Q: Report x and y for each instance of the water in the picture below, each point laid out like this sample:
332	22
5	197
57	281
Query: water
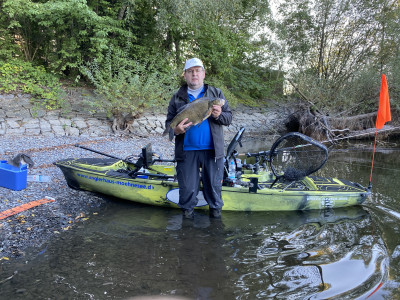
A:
128	249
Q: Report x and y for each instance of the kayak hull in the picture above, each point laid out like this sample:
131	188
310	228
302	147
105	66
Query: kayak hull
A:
110	177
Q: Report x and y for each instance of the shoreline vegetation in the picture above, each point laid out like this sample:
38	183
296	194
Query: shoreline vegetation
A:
304	57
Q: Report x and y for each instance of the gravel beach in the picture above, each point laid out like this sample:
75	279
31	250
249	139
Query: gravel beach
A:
33	227
48	136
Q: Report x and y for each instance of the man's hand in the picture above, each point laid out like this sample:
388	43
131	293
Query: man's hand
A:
216	111
181	127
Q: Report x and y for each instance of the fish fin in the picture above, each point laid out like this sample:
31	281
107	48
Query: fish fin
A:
207	114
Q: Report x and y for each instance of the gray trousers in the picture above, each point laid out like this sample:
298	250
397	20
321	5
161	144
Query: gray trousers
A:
188	173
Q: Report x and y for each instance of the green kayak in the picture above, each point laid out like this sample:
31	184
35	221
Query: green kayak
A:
152	181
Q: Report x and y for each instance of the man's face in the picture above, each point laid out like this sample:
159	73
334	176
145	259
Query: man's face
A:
195	77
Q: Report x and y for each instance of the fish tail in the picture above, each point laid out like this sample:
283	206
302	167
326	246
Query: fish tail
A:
171	135
165	131
168	131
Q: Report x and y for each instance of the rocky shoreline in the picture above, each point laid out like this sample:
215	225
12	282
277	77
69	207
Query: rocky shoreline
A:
48	136
19	117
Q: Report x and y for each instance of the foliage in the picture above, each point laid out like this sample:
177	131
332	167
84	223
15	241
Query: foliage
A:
125	86
58	33
393	77
335	51
7	46
356	96
232	99
17	75
339	49
64	34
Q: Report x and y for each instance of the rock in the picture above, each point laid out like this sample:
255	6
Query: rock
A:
58	130
13	124
72	131
32	131
55	122
45	125
79	123
3	128
31	123
37	112
15	131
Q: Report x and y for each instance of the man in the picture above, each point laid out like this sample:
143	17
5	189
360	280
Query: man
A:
200	146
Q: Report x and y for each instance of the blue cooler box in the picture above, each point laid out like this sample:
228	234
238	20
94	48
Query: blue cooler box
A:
11	177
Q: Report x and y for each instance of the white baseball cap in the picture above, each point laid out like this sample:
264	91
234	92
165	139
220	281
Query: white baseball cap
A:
193	62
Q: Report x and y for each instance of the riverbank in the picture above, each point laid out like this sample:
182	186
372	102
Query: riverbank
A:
33	227
48	136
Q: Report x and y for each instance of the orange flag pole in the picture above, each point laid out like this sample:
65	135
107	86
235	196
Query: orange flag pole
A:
382	117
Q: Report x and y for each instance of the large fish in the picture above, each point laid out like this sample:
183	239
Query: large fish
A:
196	111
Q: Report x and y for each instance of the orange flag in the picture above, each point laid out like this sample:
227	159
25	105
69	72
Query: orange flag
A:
384	105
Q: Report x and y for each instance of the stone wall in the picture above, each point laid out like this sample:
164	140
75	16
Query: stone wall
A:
19	117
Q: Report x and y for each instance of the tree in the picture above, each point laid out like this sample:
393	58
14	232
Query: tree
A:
60	34
334	44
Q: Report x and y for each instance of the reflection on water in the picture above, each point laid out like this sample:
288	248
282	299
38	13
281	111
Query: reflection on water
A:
129	250
133	250
316	256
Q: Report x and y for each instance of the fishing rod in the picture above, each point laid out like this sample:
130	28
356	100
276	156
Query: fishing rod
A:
105	154
138	165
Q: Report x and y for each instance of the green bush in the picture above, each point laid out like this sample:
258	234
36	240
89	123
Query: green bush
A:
20	76
126	86
231	97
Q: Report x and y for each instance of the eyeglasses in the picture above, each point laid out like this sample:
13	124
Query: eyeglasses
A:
194	71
